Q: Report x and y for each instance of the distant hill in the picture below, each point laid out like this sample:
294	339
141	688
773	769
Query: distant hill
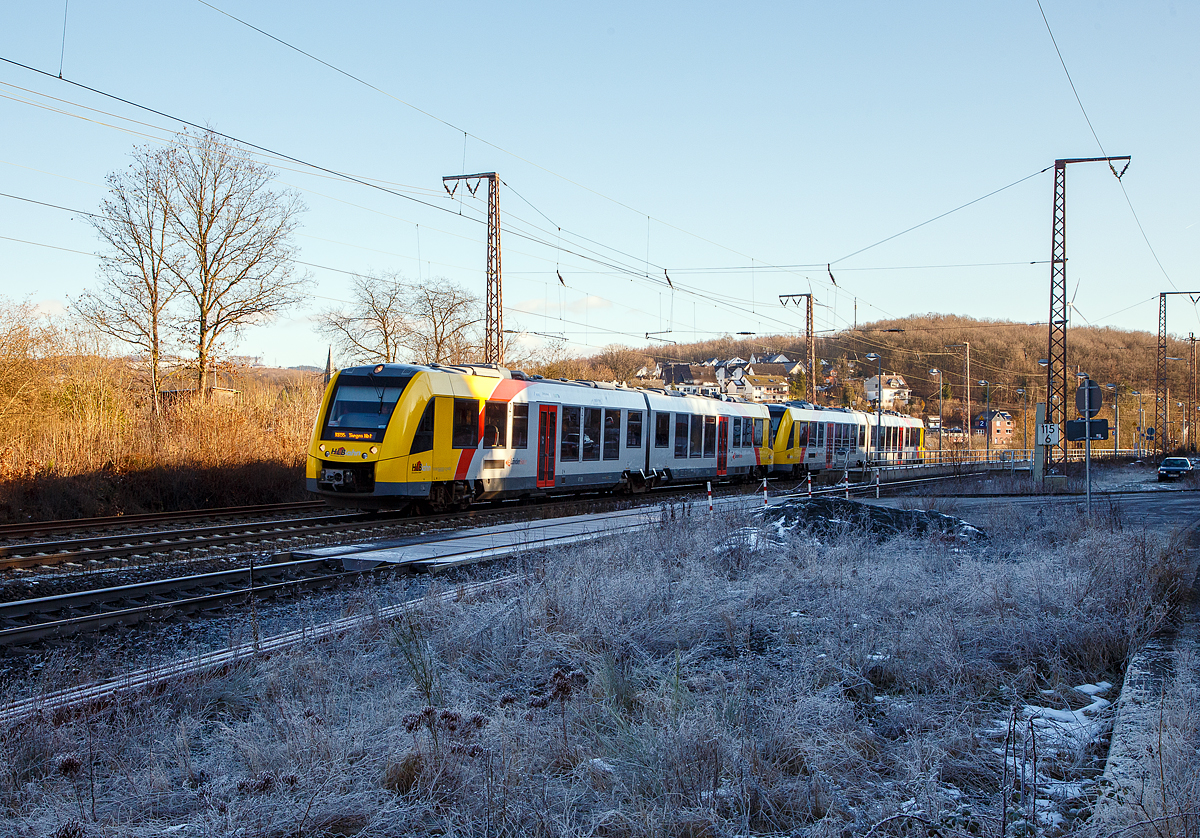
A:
1003	353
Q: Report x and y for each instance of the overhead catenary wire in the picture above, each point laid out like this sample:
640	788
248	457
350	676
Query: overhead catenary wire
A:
613	264
632	272
380	90
1100	145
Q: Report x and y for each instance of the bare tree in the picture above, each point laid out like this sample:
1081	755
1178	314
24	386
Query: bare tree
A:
390	319
445	323
621	360
138	286
233	236
374	328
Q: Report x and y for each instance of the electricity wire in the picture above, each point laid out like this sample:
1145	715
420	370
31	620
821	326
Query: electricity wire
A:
1100	145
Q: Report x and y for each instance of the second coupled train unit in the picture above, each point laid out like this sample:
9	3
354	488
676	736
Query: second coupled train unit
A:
445	436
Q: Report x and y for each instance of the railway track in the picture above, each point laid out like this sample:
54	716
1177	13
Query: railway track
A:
101	549
33	620
108	550
9	532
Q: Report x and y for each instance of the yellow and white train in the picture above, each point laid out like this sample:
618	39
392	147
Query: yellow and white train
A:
445	436
811	440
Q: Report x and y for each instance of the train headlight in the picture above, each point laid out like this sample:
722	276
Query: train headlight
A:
374	449
364	455
321	448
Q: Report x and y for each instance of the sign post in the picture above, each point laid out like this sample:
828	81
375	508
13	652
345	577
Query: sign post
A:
1088	401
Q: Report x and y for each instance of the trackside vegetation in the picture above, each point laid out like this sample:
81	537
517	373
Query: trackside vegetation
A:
715	676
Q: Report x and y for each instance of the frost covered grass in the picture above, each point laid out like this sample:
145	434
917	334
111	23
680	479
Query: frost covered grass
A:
711	677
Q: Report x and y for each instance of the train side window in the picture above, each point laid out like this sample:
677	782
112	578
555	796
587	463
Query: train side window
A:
710	436
592	418
748	433
466	423
569	451
697	446
633	429
795	435
758	433
737	432
681	435
612	434
862	435
662	430
805	428
520	433
495	425
423	437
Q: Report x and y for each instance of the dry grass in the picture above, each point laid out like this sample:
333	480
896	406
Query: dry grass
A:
87	443
701	679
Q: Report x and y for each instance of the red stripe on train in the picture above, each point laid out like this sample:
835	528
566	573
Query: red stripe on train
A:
464	463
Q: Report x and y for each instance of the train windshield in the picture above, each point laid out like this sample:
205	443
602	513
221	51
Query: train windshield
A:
362	405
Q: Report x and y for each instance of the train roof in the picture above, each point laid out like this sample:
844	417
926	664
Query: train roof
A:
497	371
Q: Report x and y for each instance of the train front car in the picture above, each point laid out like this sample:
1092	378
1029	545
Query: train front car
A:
352	456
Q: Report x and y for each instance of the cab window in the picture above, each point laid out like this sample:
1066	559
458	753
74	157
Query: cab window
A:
361	406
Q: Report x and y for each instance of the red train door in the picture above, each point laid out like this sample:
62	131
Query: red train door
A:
547	444
722	445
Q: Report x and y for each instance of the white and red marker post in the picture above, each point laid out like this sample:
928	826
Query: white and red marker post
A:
710	507
765	492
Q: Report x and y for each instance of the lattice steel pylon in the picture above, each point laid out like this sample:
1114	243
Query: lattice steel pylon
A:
1189	438
1160	373
1056	355
493	337
810	343
1160	378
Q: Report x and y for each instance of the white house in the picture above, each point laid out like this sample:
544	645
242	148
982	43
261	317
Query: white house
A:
896	392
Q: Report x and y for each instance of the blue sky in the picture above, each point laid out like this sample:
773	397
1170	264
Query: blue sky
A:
710	140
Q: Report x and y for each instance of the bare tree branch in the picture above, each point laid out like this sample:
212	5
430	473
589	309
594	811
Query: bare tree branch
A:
138	286
390	319
234	234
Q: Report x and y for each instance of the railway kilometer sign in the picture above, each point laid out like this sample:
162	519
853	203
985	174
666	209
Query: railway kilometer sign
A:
1047	434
